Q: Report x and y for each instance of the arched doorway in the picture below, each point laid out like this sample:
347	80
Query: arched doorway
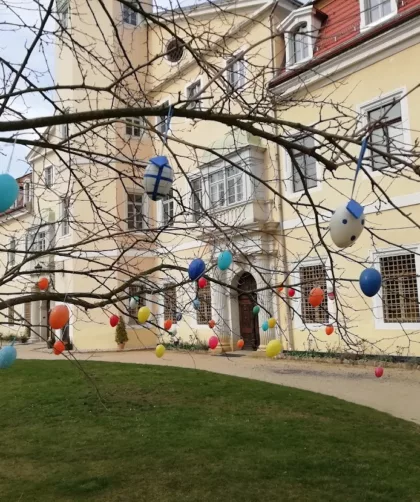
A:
248	323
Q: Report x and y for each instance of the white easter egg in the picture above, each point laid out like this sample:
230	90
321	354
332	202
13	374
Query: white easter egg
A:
345	229
158	178
174	331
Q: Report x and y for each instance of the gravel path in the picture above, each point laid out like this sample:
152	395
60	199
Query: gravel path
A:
397	392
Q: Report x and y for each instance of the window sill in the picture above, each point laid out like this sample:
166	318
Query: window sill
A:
294	66
392	326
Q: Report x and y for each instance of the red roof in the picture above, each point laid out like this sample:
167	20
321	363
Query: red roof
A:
340	31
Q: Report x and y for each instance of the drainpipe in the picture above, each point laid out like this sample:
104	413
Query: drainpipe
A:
280	191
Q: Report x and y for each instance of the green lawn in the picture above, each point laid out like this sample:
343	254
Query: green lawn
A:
183	435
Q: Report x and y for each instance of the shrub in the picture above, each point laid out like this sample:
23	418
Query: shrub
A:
120	332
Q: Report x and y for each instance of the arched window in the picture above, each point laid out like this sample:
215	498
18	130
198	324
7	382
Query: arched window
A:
300	44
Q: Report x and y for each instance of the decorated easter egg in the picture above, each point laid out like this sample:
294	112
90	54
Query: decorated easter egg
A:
158	178
345	227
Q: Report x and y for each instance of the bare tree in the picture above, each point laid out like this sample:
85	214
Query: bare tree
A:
95	89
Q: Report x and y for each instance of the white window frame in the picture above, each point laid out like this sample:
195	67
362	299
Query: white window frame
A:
51	170
363	110
161	125
126	23
12	256
63	224
365	25
63	11
245	69
226	204
292	41
289	173
298	324
170	201
143	222
377	299
27	192
39	237
194	105
201	212
305	15
134	123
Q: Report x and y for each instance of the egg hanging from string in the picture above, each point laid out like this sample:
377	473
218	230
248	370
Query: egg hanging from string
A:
58	347
370	282
213	342
9	191
274	347
202	282
160	351
59	317
347	224
167	324
158	178
196	269
196	303
114	320
143	314
224	260
256	310
316	296
240	344
43	284
134	301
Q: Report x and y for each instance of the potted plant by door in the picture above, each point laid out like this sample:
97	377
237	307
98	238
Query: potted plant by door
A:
121	334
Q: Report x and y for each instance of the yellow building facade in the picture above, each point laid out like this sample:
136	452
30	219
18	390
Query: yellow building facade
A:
105	231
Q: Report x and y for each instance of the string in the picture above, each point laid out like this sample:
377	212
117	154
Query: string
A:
359	162
11	155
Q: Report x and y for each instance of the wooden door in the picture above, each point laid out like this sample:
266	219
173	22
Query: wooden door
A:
247	321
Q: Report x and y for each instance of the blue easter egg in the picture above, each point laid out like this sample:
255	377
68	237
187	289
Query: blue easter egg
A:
370	281
196	269
158	178
9	191
196	303
178	316
7	357
265	326
224	261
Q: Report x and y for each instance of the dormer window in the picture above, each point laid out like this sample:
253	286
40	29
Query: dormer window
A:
300	29
374	12
301	44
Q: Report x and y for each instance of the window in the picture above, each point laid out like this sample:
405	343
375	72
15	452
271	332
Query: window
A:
63	9
27	195
174	51
235	185
197	198
300	44
235	74
217	189
36	241
169	303
192	91
375	10
162	120
65	216
400	301
311	277
387	134
229	181
129	15
133	127
27	313
12	253
138	291
307	165
12	315
204	314
135	211
48	176
168	208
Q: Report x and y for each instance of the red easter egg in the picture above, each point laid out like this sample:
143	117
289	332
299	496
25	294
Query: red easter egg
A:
58	347
213	342
167	324
114	320
315	297
379	372
212	324
43	284
240	344
59	317
280	289
329	329
202	282
331	295
291	292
